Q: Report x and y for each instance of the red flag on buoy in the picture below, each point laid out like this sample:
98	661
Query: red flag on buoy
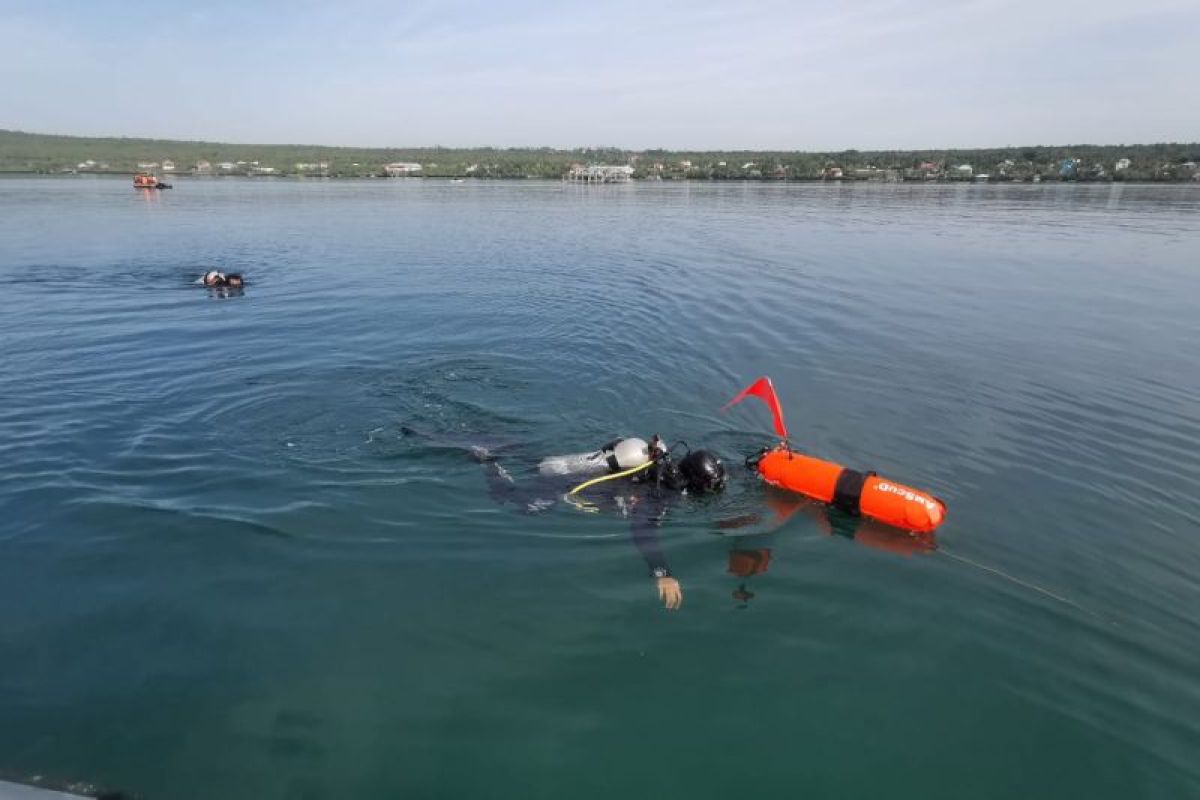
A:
764	390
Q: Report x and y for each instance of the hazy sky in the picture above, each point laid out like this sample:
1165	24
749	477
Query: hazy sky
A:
795	74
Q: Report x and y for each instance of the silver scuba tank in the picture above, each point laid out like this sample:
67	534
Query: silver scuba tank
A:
617	455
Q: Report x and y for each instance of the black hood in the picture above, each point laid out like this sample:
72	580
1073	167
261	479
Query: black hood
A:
702	472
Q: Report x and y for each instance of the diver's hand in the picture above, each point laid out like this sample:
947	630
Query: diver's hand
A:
670	593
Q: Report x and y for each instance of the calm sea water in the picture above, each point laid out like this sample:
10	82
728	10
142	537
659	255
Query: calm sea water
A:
243	553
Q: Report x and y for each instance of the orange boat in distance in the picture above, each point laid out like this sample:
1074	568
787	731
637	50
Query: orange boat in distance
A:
146	181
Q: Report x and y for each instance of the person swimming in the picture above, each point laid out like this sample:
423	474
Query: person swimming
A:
215	278
640	481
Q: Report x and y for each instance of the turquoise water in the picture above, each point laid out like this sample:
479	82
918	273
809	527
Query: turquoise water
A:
244	554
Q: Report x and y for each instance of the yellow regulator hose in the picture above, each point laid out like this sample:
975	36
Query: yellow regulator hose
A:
612	477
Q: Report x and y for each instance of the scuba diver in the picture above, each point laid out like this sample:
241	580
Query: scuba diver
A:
215	278
638	480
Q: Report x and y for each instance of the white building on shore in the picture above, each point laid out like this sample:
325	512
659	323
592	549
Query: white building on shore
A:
600	173
402	169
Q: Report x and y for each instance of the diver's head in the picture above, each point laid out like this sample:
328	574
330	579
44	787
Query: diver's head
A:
213	278
702	472
234	280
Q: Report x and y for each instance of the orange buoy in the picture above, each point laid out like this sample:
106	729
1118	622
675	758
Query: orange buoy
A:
855	492
851	491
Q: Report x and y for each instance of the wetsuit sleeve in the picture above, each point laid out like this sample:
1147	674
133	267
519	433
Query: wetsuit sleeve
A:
647	519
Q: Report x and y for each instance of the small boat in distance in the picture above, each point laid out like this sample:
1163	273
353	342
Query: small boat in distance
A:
146	181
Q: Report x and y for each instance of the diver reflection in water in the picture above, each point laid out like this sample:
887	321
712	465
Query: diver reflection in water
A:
745	564
747	560
637	480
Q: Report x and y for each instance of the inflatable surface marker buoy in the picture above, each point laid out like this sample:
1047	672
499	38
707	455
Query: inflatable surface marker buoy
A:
852	491
857	493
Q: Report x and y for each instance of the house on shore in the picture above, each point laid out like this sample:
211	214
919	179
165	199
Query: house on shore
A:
402	169
599	173
925	171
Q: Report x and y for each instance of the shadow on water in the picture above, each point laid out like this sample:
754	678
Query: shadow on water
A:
752	533
225	292
782	506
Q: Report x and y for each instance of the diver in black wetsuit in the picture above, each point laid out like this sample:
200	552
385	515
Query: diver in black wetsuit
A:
216	279
637	480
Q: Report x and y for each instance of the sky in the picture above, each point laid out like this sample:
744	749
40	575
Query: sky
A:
756	74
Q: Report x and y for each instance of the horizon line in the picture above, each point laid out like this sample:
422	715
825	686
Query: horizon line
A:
590	147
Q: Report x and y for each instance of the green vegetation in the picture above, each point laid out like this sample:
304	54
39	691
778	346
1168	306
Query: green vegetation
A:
38	153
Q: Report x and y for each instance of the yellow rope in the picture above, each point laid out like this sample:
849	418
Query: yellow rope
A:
611	477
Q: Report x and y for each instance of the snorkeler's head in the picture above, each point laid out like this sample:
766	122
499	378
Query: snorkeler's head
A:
213	278
234	280
702	472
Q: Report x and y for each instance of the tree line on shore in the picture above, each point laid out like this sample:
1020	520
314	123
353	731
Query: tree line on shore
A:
41	153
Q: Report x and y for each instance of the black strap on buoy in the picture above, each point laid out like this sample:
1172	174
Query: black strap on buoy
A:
848	490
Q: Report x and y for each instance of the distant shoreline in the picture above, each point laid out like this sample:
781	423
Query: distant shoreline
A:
187	178
32	153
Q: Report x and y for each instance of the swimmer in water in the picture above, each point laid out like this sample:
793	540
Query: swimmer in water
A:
214	278
640	481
